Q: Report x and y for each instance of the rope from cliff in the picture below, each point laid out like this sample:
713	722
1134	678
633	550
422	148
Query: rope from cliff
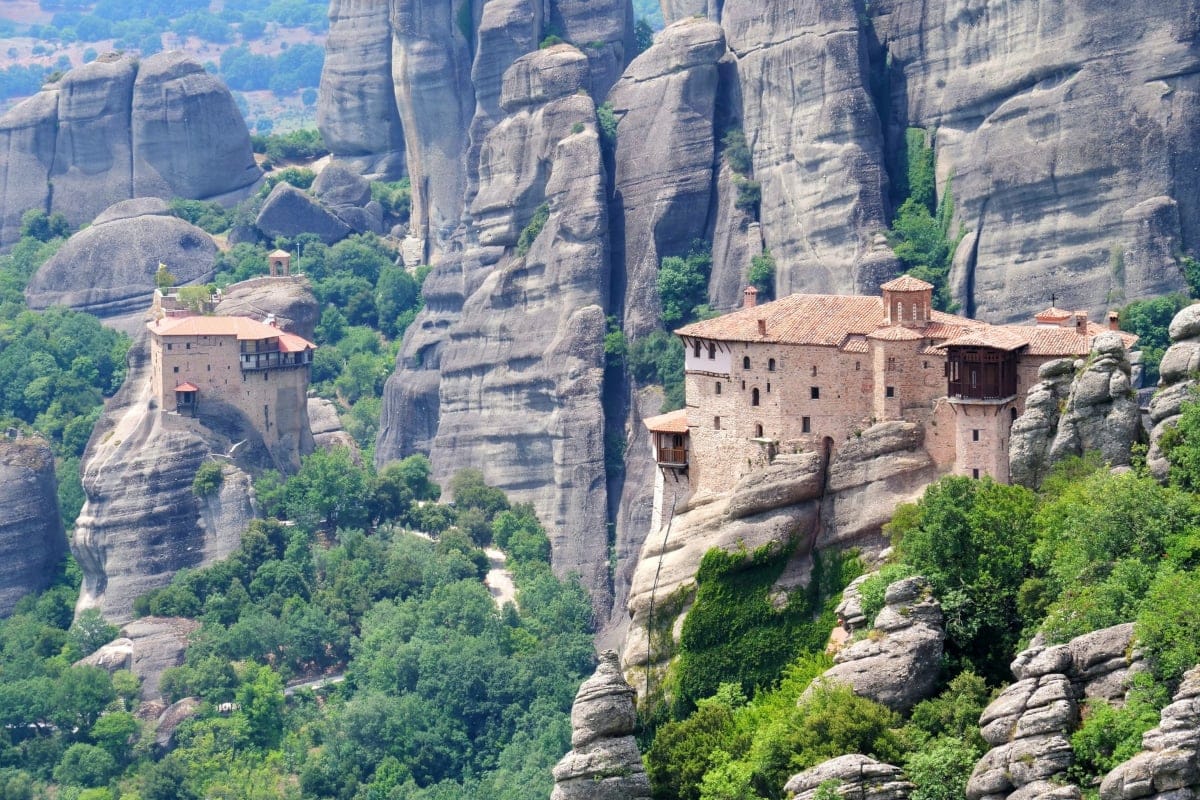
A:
654	589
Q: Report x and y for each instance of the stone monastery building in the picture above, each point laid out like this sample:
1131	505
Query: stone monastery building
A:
258	369
807	372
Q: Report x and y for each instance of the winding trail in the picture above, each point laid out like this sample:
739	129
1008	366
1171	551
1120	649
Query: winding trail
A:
499	579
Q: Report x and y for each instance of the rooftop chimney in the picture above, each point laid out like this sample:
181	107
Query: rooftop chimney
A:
762	327
1114	321
1081	322
751	297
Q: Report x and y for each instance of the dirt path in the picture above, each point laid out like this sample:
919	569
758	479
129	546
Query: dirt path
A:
499	579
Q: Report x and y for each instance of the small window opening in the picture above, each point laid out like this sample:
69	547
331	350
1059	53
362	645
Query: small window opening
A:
758	431
814	370
745	362
716	423
695	349
814	392
975	474
890	391
975	434
770	365
806	424
754	397
718	387
857	366
712	351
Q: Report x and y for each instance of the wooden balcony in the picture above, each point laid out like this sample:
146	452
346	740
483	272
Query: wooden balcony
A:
673	457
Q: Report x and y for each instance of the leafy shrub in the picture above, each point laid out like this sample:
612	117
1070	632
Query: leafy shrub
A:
683	284
737	152
1150	320
749	196
534	229
941	770
608	126
1109	736
872	590
299	177
658	358
210	216
1166	627
208	479
762	275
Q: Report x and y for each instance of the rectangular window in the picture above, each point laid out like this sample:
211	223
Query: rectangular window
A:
176	369
975	474
806	424
168	345
768	387
718	387
814	392
716	423
189	346
890	391
925	364
857	366
975	434
208	367
814	370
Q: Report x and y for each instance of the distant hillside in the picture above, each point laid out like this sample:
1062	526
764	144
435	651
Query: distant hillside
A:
270	52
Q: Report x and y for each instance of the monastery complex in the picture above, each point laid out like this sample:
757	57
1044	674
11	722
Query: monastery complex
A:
222	363
808	372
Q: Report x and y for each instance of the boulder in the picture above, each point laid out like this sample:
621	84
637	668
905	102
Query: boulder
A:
853	776
108	269
898	662
1176	384
604	763
290	300
171	718
32	541
1033	433
289	211
327	429
146	647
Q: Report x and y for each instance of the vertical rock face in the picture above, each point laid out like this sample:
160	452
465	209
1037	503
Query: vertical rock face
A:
603	29
31	530
357	111
503	369
116	129
1102	410
1035	431
663	185
1169	764
815	136
1062	125
604	763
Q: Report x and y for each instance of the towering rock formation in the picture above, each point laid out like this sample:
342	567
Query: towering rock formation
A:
118	128
1034	432
854	776
604	763
142	522
502	371
31	531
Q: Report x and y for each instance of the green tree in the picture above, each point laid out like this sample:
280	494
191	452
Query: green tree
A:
115	733
1150	320
90	631
85	765
762	275
683	284
261	701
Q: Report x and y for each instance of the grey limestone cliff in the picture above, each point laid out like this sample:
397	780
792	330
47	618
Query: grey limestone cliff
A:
502	370
1034	432
116	129
604	762
108	269
31	531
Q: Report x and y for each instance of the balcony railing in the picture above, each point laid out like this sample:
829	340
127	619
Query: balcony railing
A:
276	360
672	457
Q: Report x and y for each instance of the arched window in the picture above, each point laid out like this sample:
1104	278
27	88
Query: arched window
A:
770	365
754	397
758	430
745	362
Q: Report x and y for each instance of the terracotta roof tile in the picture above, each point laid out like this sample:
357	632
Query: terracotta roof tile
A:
244	328
895	333
999	337
906	283
671	422
856	344
1053	314
187	387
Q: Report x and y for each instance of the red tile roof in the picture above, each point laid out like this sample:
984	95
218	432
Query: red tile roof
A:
895	333
187	387
671	422
244	328
1053	314
907	283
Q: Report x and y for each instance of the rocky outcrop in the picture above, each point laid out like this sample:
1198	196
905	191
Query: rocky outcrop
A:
604	762
502	371
142	522
1102	410
1029	725
146	647
289	299
108	269
289	211
1034	432
32	541
347	195
1093	210
326	426
1168	768
1176	383
898	662
794	499
116	129
852	776
665	103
